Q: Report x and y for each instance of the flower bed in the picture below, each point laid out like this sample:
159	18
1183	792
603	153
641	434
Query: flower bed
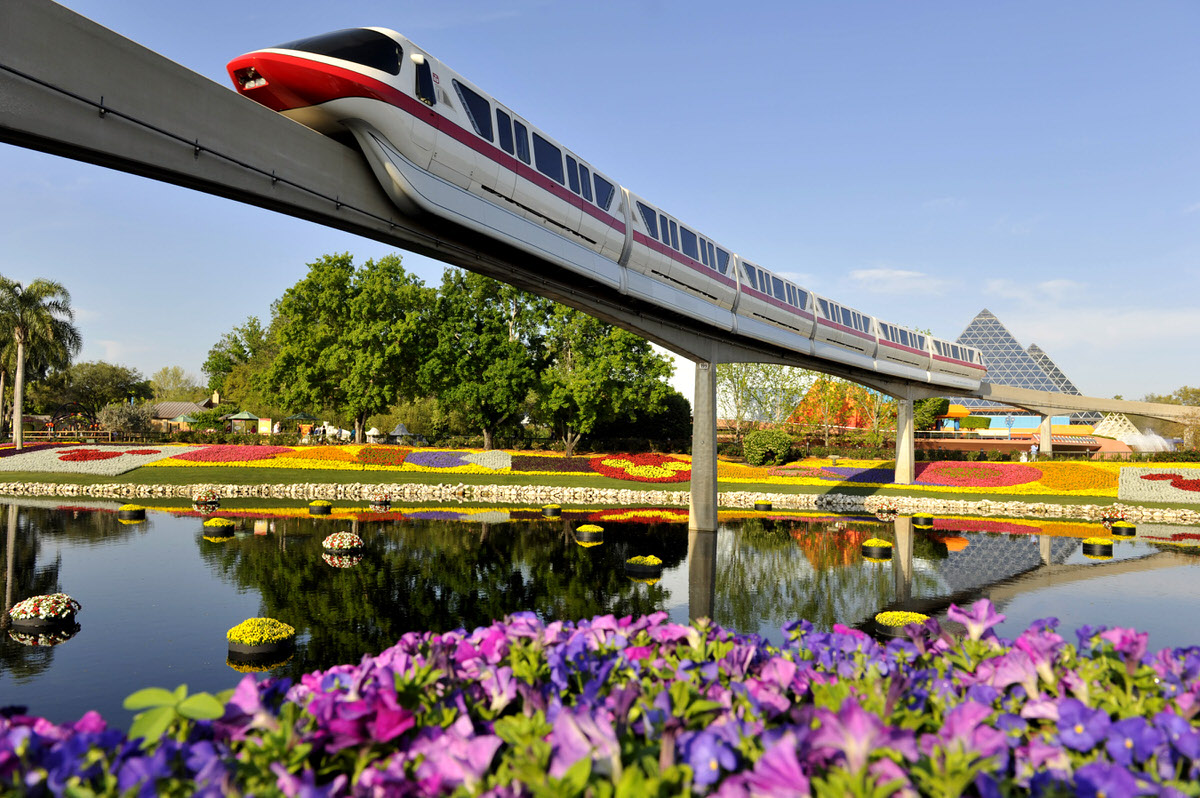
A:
231	453
646	706
643	467
100	460
1176	484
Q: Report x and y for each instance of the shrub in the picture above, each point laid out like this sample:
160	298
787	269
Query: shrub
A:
767	446
126	418
974	422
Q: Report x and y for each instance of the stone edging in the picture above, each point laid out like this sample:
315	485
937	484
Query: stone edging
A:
537	495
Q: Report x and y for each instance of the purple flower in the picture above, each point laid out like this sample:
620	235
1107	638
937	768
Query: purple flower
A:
1079	727
582	732
1099	779
778	771
707	754
855	733
1088	636
1133	739
456	757
1042	647
1181	735
305	785
1131	645
979	619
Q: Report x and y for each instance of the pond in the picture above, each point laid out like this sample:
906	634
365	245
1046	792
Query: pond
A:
158	597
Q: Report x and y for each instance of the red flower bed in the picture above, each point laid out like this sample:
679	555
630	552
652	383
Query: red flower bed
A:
643	467
1177	481
85	455
142	451
381	456
231	453
976	475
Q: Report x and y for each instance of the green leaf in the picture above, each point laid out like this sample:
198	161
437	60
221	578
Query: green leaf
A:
151	697
201	706
180	693
151	725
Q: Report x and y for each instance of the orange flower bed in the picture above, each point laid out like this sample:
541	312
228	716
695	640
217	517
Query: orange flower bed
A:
1076	476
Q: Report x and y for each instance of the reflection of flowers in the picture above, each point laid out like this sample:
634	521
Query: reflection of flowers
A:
52	606
45	639
253	666
342	560
206	496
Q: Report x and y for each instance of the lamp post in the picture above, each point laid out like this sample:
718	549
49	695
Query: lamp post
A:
1008	422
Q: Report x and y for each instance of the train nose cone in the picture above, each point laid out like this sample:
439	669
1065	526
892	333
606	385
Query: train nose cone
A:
280	82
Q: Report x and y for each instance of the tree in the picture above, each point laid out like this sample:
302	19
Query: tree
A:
38	315
484	360
349	339
173	384
926	411
93	385
826	404
596	373
41	356
748	393
237	347
877	410
126	418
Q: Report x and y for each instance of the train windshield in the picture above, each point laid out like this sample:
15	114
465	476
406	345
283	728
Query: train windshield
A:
367	47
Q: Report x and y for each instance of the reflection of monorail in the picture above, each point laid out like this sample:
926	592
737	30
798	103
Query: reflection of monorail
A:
439	145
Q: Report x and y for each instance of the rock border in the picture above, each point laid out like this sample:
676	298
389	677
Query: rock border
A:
538	495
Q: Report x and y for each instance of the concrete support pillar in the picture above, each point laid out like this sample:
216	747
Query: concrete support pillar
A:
1045	442
905	441
702	514
902	558
702	573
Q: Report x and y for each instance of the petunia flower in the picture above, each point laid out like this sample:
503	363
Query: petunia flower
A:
1100	779
1133	739
707	754
1130	644
578	733
979	619
855	733
1079	727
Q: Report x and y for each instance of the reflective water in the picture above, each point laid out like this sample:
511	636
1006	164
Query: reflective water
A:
158	598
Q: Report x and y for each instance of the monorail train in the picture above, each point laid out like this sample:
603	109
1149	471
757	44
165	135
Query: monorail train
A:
440	145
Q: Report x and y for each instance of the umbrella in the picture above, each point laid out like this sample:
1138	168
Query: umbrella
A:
243	416
400	431
184	419
300	417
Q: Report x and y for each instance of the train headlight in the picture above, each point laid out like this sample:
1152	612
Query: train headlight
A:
248	78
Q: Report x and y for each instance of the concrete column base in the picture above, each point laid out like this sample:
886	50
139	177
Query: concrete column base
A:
702	514
1045	442
905	442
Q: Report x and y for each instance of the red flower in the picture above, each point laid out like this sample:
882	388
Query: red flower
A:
643	467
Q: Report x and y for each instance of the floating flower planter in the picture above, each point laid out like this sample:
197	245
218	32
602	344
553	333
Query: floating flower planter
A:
589	533
381	500
1097	548
762	506
218	530
892	623
551	511
131	512
320	507
1123	529
341	560
343	542
649	567
260	637
923	520
876	549
48	612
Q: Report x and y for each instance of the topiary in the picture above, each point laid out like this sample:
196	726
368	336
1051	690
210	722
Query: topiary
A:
767	446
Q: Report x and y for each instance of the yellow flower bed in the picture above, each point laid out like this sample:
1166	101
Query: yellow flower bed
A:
900	619
260	632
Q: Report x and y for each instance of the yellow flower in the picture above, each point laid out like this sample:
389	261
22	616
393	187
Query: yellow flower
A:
897	619
260	632
648	560
222	522
1098	541
877	542
590	528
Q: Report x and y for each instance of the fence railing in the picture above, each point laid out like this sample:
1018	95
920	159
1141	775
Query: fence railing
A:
89	435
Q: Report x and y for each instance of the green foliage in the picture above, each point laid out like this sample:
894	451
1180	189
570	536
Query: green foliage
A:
974	422
349	339
92	385
238	347
926	411
173	384
768	446
162	709
596	373
126	418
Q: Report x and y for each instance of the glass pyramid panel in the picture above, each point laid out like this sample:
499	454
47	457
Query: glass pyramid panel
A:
1064	384
1007	361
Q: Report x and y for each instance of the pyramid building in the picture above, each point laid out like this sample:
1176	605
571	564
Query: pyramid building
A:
1009	363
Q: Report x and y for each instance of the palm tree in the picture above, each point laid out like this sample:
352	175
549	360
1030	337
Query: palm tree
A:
41	357
41	319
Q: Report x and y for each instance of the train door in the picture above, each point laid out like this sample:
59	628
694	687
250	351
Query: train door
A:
507	177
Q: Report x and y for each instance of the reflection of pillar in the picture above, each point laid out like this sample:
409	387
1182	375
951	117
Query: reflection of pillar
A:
905	441
1045	442
703	511
702	573
1044	548
902	558
10	562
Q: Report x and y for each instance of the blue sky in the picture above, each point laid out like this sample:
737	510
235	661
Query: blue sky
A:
918	161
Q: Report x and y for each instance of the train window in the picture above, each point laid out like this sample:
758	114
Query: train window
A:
902	337
778	284
801	299
585	182
522	141
548	159
367	47
764	282
604	191
478	108
824	308
791	294
425	91
722	261
504	128
704	251
674	235
689	242
749	270
573	174
650	218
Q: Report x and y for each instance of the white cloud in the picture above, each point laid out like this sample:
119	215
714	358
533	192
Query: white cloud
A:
887	280
1192	209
